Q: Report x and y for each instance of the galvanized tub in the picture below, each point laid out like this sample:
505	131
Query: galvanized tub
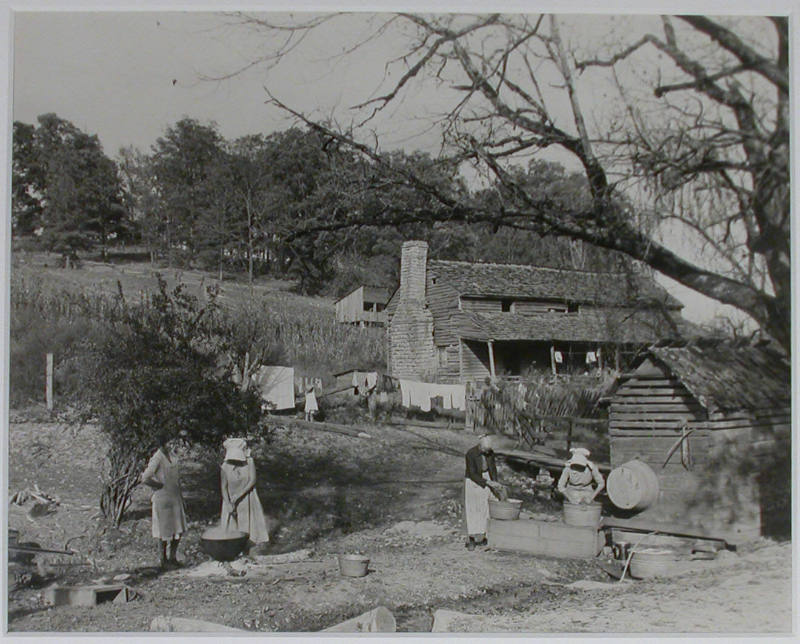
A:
507	510
353	565
582	514
633	486
651	562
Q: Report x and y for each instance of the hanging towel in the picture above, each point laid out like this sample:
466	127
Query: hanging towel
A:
591	357
276	385
405	392
559	358
371	379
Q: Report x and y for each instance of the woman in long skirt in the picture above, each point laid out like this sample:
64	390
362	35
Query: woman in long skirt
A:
241	507
169	516
480	481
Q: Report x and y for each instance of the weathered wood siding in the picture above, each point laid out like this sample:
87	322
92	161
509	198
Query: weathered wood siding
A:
474	361
350	306
442	302
523	306
448	372
712	478
350	309
481	305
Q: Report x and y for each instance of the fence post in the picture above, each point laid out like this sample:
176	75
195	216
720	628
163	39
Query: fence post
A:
569	432
49	382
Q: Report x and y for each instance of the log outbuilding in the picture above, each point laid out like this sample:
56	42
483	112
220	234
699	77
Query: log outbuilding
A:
712	419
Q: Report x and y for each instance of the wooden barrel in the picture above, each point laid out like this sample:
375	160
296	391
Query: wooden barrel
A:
632	486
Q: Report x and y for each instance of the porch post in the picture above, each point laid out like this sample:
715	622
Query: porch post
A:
461	360
616	358
553	359
491	358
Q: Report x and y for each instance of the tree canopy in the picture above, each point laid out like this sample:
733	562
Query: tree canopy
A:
64	184
670	119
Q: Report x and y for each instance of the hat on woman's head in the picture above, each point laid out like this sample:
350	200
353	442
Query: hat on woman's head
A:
235	449
580	456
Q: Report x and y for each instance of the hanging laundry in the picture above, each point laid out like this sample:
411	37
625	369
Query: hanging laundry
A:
559	358
276	385
371	379
419	394
591	357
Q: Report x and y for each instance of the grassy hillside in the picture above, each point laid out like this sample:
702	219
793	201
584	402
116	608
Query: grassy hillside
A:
48	305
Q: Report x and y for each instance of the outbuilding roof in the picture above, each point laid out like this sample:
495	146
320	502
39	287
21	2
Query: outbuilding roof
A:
728	376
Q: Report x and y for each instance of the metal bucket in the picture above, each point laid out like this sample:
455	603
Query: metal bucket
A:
633	486
651	563
582	514
353	565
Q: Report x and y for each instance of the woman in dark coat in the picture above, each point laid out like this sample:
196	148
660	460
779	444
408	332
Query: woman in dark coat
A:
479	481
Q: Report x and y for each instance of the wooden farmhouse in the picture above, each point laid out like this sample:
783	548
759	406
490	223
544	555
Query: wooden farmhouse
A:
458	322
365	306
712	419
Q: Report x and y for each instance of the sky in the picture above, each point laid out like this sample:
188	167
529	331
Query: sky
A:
127	76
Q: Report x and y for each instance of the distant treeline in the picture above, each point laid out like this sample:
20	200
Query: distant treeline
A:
275	204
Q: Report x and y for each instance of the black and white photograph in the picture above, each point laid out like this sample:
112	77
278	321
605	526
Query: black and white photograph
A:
385	320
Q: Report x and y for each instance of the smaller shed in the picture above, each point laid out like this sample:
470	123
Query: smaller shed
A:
712	419
365	306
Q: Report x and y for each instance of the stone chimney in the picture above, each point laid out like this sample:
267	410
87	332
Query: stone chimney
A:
413	263
411	350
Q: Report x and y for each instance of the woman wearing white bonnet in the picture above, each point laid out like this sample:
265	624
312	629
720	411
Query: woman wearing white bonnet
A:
578	476
241	507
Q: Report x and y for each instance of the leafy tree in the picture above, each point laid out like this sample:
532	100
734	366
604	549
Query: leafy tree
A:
158	371
182	161
65	182
27	183
141	197
694	129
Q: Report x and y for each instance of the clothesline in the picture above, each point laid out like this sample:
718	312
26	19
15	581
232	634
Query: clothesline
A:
419	394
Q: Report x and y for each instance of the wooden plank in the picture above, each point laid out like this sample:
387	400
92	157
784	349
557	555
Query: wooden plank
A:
650	424
637	397
639	433
168	624
661	416
653	382
678	529
377	620
656	408
542	459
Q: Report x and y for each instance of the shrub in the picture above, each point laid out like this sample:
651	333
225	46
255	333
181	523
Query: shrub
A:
157	370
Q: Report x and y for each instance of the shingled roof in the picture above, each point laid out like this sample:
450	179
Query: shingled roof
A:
538	282
626	326
728	376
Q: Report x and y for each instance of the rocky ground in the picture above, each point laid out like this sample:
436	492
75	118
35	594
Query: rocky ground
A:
394	497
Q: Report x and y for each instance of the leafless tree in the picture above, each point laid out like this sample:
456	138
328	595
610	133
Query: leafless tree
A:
677	123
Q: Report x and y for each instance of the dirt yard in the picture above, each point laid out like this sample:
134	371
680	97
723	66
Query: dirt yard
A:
396	497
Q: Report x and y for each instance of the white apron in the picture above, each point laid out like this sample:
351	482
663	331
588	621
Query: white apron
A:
249	513
169	516
476	506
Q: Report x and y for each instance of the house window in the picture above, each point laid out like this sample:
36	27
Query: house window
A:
572	307
367	306
505	306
